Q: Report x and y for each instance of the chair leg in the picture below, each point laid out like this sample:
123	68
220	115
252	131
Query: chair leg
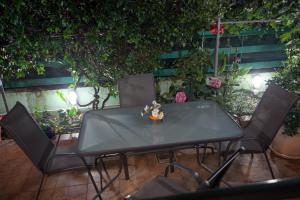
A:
40	187
269	165
92	178
104	167
204	152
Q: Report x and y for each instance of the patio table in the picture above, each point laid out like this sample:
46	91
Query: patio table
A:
124	130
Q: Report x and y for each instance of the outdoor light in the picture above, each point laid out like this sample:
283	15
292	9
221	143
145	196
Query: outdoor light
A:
72	97
257	82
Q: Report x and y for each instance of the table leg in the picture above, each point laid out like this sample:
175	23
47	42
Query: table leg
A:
204	152
227	151
171	155
219	154
125	165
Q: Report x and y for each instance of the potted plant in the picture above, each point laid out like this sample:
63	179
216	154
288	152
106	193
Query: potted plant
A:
46	122
239	102
287	142
67	120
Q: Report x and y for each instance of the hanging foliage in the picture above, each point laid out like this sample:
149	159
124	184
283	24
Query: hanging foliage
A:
97	39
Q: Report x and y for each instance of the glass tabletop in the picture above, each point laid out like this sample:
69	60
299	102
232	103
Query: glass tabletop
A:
125	130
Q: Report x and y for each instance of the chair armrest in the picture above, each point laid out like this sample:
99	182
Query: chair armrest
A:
195	174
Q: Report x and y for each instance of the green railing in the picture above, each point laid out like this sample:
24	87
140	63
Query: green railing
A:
232	50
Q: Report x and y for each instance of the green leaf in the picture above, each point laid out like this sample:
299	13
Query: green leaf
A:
61	96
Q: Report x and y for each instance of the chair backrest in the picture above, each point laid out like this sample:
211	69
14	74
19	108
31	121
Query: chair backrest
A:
28	135
214	180
136	90
269	114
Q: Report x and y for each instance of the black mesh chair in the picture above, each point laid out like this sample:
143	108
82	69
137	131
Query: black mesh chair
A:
136	90
162	186
275	189
266	120
43	153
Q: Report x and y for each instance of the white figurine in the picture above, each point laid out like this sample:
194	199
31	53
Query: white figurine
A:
153	111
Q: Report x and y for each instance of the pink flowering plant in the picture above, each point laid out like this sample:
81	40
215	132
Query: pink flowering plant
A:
213	82
180	97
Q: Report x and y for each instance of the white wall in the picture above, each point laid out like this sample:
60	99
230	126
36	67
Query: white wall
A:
48	99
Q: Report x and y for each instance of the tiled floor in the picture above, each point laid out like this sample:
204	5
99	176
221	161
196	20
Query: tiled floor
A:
19	179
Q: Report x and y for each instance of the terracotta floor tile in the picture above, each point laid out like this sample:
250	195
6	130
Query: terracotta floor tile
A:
14	152
8	196
127	187
50	181
2	186
15	184
33	180
72	178
5	169
47	194
78	192
91	192
109	194
15	167
26	196
19	179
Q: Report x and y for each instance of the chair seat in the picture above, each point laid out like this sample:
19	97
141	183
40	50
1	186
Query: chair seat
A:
60	162
251	146
233	147
158	187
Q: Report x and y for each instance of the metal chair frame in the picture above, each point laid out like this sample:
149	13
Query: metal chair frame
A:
262	140
48	154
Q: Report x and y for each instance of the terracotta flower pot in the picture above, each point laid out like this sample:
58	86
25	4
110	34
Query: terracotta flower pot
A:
286	146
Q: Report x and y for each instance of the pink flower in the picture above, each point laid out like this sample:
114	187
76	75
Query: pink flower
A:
214	82
180	97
